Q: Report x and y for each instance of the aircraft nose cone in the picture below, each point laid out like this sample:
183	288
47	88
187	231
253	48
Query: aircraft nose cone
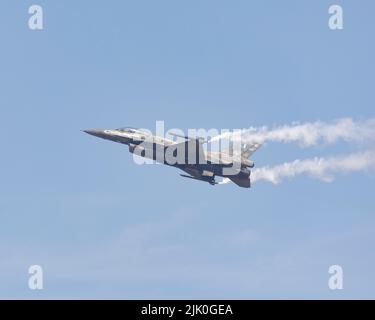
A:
95	132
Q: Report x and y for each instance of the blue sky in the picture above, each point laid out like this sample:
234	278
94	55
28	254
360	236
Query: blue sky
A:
103	227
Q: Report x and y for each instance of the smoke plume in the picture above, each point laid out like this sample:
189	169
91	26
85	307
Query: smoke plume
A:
309	134
319	168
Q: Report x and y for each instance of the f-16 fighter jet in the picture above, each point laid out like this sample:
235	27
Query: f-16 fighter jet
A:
189	155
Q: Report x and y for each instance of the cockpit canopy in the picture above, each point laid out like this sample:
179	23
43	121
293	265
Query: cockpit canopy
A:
133	130
127	129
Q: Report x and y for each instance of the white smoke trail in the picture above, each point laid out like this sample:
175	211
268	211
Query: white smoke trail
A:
319	168
309	134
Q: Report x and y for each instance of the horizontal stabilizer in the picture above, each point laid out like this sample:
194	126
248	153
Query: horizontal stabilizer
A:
241	182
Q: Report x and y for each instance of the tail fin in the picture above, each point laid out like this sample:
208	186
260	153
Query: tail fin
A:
249	149
246	151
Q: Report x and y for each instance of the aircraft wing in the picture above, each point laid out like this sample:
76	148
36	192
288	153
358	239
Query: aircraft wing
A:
193	147
187	137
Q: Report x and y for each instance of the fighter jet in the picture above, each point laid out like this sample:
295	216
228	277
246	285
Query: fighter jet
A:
189	155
